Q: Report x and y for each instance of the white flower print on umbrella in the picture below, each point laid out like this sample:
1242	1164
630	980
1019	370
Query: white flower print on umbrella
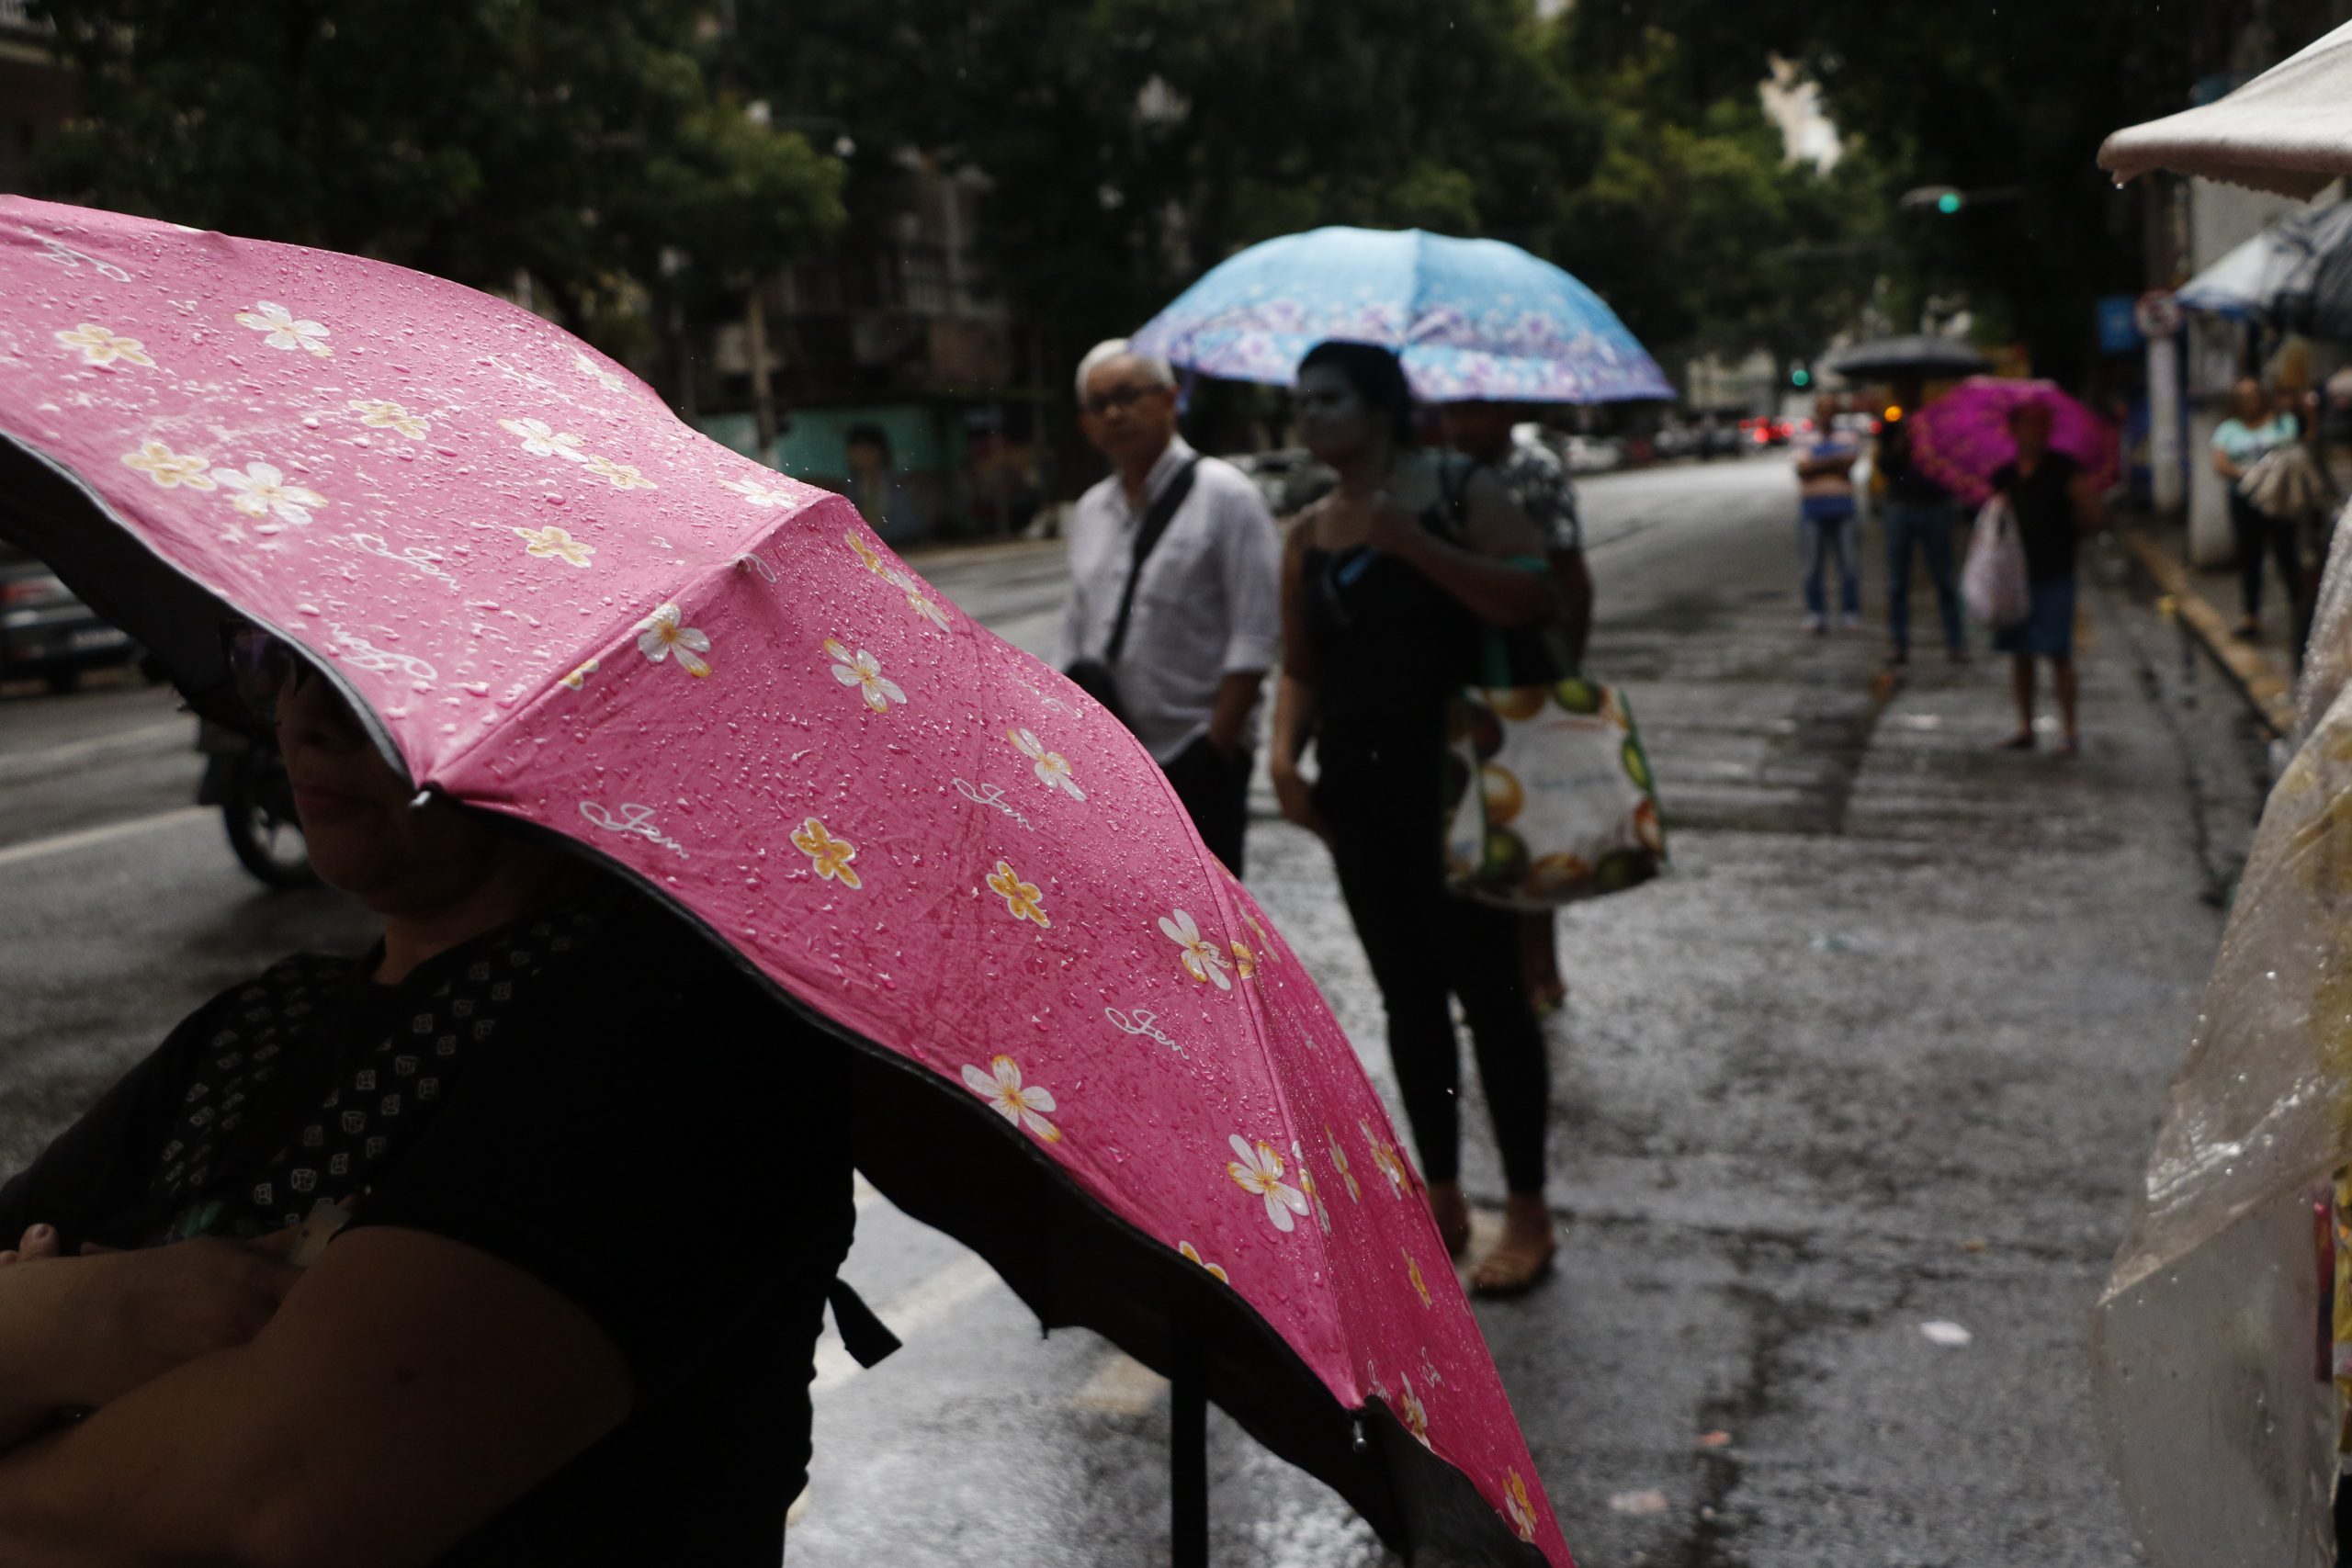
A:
1339	1163
579	676
284	331
552	543
620	476
1023	1105
380	414
1413	1272
1306	1185
101	345
1258	1172
1265	942
261	490
921	603
1188	1250
863	671
541	439
1517	1507
1384	1155
169	468
1409	1408
862	550
759	493
664	633
1051	767
588	366
1201	960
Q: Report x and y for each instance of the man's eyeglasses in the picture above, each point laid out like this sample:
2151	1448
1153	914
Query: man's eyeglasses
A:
262	669
1125	397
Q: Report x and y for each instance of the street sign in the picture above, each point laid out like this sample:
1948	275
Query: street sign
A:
2119	329
2157	314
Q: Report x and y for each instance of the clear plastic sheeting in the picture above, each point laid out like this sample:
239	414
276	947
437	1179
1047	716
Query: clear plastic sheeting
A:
2219	1429
2211	1376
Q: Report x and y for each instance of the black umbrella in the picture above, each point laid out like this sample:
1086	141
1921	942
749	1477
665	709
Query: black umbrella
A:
1896	358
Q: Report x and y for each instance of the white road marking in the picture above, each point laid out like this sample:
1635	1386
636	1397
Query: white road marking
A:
1121	1386
923	1305
64	844
16	765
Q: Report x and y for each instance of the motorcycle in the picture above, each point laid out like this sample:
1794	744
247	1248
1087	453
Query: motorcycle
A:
246	779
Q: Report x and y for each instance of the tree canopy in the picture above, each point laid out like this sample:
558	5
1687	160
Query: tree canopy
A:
1980	98
1130	144
470	139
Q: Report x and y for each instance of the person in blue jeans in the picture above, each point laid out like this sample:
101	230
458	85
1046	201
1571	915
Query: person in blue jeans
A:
1825	520
1919	520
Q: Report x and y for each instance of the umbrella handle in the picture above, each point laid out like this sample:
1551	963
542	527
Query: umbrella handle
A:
1188	1458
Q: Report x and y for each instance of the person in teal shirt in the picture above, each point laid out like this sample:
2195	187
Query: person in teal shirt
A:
2251	433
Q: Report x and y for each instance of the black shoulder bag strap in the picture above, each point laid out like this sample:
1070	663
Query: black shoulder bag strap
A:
1092	674
1156	519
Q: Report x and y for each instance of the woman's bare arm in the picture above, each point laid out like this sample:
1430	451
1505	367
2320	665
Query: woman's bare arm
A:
1480	572
408	1388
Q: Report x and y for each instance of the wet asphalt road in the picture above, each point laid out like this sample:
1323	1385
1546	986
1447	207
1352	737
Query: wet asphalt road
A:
1885	1050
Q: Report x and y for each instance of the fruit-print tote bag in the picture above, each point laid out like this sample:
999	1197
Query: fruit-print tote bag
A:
1548	796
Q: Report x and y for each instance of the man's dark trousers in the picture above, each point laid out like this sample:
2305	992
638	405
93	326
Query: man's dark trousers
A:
1215	789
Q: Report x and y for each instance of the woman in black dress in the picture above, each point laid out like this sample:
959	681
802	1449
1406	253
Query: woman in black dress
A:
2055	505
1387	585
580	1242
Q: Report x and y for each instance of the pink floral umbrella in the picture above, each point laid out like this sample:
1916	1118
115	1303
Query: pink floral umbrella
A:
1962	437
1086	1049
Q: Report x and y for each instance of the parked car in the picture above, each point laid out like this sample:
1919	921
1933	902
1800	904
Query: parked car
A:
47	632
1594	453
1288	479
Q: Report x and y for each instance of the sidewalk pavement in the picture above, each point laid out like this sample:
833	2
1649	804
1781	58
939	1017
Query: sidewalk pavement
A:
2263	669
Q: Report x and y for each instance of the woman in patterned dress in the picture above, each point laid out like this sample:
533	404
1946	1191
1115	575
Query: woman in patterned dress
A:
492	1245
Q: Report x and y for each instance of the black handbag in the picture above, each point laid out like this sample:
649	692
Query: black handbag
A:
1092	675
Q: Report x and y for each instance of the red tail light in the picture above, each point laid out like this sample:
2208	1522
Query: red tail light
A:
31	590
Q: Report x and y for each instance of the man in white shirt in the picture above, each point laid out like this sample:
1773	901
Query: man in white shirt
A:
1205	619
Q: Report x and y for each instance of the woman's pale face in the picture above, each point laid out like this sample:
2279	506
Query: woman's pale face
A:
364	834
1333	419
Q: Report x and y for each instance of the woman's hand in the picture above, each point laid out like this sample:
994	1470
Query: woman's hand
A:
1297	799
112	1320
1392	529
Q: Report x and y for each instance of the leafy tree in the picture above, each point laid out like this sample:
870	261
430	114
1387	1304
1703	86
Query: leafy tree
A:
1131	144
468	138
1982	97
1697	225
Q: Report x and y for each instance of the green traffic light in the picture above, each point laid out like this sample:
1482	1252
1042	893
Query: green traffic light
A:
1800	378
1948	202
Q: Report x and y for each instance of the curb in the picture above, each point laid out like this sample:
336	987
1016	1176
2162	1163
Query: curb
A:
2267	690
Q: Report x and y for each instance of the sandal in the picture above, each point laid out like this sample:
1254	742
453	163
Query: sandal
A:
2017	743
1514	1267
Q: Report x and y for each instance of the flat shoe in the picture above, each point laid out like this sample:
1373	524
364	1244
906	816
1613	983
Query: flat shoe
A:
1511	1270
2016	743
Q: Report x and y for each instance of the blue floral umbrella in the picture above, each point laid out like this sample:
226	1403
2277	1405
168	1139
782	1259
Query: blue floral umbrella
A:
1475	320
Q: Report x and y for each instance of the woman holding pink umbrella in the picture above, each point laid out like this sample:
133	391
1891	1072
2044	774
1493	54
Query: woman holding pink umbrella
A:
476	1371
2056	503
2052	458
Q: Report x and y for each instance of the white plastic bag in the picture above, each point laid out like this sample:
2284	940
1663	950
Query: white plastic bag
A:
1994	581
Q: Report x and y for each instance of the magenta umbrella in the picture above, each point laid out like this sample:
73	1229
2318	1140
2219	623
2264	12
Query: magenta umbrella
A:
1086	1049
1962	437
